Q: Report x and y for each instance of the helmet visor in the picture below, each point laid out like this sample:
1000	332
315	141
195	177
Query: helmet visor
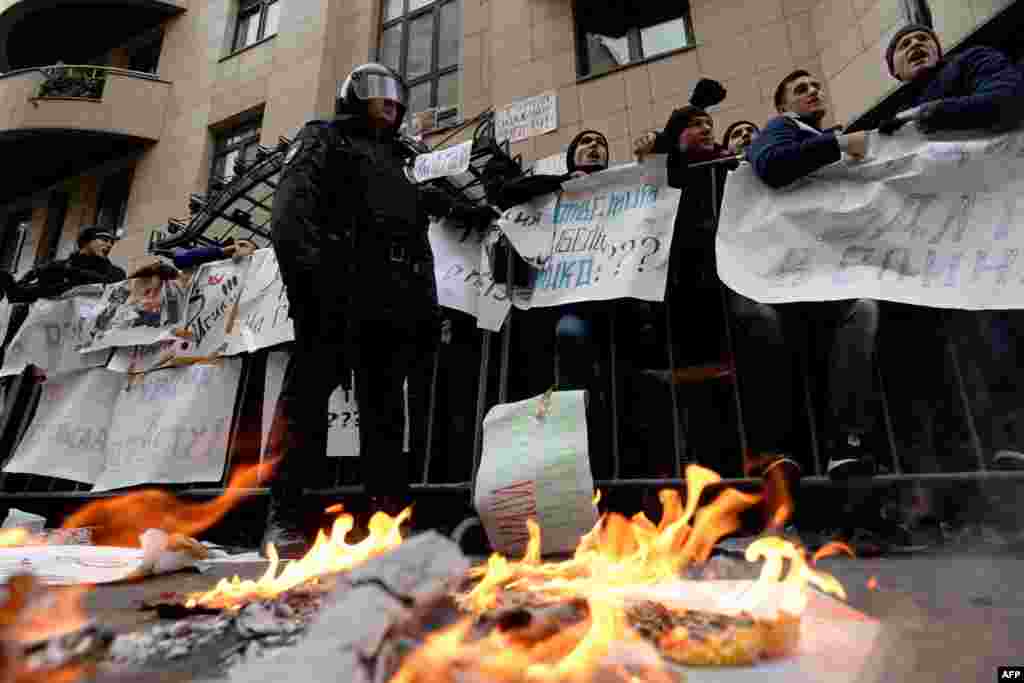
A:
369	86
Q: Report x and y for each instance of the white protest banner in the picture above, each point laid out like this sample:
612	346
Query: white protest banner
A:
343	424
51	334
342	412
143	358
530	228
556	164
172	426
5	317
142	310
535	466
212	305
527	118
611	236
262	318
68	434
443	162
936	221
277	363
463	275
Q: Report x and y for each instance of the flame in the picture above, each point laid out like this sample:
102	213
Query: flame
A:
120	521
833	548
872	584
601	647
329	555
612	563
14	537
597	497
33	612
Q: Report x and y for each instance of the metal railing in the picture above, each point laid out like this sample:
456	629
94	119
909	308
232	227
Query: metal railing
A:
464	378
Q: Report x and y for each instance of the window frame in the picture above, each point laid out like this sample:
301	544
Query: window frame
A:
436	73
221	148
249	7
633	41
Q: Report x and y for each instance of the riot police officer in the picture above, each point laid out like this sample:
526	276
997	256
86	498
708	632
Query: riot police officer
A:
350	231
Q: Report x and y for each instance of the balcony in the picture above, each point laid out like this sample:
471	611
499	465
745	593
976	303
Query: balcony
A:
34	32
61	120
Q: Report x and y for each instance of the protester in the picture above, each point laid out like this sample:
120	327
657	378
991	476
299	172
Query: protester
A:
90	264
791	146
575	325
978	88
696	223
981	89
739	135
350	232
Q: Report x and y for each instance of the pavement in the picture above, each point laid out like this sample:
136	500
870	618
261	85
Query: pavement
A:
945	616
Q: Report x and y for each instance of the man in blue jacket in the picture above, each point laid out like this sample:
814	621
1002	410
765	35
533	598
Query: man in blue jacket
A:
977	89
791	146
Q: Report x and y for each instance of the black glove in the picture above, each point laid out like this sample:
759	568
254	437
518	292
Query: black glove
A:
707	93
890	126
478	215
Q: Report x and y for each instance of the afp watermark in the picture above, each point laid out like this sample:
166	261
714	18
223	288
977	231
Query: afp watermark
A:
1010	673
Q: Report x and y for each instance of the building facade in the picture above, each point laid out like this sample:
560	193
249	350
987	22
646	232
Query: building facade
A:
118	112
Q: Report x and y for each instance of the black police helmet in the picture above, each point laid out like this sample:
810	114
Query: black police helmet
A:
369	81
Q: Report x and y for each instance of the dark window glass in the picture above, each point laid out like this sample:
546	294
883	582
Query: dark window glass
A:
239	143
611	35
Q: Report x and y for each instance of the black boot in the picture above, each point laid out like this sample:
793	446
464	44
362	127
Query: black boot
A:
287	527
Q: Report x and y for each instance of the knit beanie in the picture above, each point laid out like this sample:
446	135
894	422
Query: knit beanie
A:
733	125
909	28
570	154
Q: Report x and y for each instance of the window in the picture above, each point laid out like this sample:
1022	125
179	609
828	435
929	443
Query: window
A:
612	33
257	19
421	39
13	240
113	202
240	144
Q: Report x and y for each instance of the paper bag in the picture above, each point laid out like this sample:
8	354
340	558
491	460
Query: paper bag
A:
535	466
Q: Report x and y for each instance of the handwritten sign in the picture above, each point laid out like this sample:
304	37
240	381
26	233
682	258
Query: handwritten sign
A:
527	118
936	221
68	435
172	426
535	466
262	320
342	411
610	236
51	335
556	164
462	271
443	162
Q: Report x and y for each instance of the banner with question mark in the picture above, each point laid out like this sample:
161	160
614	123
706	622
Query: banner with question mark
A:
609	236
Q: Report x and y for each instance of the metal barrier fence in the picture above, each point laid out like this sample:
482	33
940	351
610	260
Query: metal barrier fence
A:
659	400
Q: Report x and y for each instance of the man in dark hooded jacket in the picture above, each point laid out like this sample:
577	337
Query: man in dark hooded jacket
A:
977	89
350	231
89	265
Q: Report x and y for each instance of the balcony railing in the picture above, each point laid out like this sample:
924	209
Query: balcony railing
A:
73	81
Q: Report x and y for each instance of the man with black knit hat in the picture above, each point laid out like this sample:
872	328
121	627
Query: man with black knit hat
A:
688	139
978	88
89	265
739	135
